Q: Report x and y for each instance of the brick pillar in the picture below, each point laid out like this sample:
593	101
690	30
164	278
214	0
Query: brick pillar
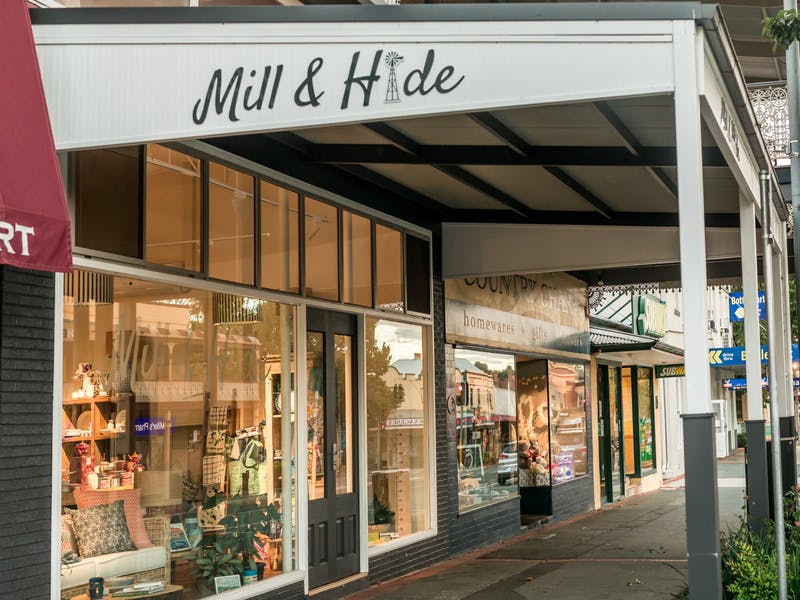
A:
26	422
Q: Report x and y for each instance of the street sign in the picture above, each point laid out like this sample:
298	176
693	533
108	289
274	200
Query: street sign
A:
740	383
663	371
736	306
732	357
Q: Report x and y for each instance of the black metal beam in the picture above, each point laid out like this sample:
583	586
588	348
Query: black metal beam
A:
581	190
458	173
588	156
632	143
622	219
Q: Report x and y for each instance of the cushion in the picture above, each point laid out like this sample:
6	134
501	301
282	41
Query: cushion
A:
78	573
131	503
68	543
101	529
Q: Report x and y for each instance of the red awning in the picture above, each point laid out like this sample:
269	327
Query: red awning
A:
34	222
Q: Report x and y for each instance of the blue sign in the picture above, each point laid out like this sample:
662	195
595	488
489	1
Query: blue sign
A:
740	383
152	426
732	357
736	305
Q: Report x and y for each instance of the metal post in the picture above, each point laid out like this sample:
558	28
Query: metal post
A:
702	502
756	463
774	411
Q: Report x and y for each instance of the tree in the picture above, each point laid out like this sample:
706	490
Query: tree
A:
381	398
783	28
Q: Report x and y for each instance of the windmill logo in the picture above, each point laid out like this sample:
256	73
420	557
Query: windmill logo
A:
392	93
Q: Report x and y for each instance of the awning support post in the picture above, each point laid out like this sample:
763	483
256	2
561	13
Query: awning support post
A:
756	464
702	503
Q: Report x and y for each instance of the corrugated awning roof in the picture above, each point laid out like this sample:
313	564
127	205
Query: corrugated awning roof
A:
609	340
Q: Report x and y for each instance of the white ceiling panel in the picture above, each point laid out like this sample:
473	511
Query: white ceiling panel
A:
532	186
438	186
625	189
445	129
559	125
343	134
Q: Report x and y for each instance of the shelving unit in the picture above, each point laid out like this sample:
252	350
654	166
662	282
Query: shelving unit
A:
103	444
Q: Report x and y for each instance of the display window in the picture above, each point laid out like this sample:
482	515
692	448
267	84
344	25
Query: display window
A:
398	430
645	417
552	420
637	409
486	427
178	437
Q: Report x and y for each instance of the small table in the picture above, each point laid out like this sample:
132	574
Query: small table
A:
170	592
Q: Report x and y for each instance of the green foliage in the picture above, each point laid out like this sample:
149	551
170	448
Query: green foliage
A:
782	29
381	512
382	398
214	561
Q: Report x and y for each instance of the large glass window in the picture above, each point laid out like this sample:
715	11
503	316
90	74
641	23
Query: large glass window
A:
628	430
173	208
486	427
108	200
179	403
644	403
397	429
280	234
534	424
322	250
388	268
567	390
230	224
356	259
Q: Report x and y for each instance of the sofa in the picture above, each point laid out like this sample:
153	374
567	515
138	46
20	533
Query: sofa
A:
150	563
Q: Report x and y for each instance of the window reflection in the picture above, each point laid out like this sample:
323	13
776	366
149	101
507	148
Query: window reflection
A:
645	402
486	427
280	232
397	430
173	208
388	268
322	249
356	259
230	224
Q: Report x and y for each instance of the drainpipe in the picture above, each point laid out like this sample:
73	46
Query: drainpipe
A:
774	410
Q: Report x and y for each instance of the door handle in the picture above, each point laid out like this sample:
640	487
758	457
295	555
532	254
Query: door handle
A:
335	461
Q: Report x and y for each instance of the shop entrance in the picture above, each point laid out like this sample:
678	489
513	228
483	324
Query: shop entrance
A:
612	476
333	540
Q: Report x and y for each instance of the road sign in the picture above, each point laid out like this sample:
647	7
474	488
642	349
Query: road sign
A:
736	306
732	357
740	383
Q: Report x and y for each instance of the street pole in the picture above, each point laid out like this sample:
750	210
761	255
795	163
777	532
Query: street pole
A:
774	411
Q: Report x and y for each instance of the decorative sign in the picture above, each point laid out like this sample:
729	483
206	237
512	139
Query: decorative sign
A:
663	371
519	312
735	356
736	305
649	316
234	78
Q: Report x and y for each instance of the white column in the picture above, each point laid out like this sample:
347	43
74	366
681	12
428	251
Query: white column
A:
691	218
752	344
782	268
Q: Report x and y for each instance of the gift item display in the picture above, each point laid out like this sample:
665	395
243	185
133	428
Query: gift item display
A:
171	410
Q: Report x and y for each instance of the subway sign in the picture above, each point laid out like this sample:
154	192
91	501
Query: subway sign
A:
663	371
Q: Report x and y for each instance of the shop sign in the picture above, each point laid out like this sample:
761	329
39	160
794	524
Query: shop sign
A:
519	312
649	316
403	423
664	371
736	356
736	306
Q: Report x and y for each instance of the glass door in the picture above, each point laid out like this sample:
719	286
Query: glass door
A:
333	541
612	479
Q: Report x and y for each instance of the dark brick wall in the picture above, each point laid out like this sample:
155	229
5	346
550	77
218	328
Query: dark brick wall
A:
484	526
26	421
292	592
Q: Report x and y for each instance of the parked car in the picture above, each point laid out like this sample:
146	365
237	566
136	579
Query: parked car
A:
507	469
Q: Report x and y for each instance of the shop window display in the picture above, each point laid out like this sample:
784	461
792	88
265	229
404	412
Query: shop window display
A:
645	416
552	421
397	430
486	428
179	404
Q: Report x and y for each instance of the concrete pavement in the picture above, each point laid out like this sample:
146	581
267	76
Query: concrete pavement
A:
634	549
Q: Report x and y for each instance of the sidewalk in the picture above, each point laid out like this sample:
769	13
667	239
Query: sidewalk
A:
627	550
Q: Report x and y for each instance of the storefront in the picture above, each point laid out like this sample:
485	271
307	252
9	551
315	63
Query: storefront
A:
181	397
522	408
265	205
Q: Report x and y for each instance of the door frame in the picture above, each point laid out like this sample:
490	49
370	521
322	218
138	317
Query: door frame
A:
354	329
606	455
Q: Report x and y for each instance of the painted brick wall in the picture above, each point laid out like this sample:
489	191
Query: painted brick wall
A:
26	417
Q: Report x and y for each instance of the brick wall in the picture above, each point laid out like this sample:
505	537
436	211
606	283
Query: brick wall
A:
26	421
